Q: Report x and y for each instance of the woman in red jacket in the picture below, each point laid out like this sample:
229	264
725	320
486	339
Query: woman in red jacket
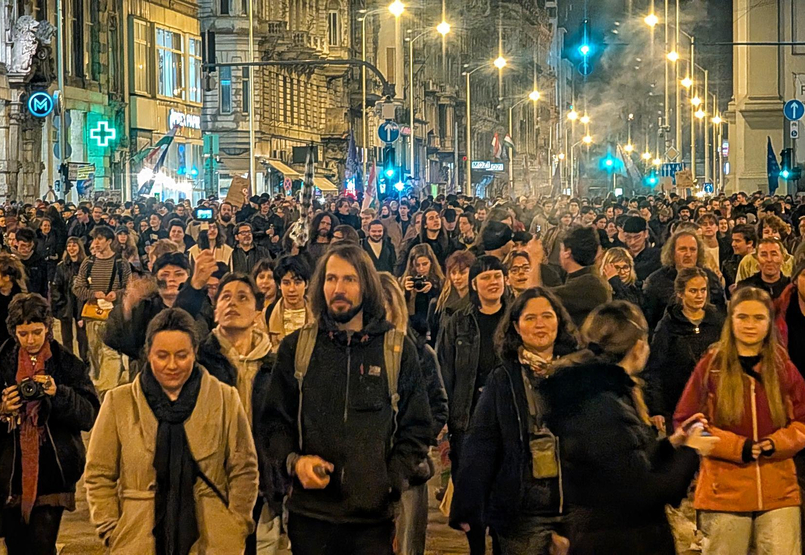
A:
754	400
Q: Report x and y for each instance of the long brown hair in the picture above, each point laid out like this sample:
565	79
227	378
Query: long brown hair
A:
730	407
435	275
463	260
397	312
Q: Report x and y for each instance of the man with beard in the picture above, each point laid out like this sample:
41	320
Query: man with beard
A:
246	255
432	234
321	234
345	216
226	221
379	247
360	446
268	227
36	270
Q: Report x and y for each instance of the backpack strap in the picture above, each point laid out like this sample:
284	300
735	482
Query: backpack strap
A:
304	350
393	342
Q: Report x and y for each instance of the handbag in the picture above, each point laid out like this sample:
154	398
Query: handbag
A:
99	309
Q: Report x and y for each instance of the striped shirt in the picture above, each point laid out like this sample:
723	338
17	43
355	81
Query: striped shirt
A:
86	283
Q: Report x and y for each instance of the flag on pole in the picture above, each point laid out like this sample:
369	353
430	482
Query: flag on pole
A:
556	182
508	142
351	170
497	148
154	158
370	195
300	230
628	164
772	167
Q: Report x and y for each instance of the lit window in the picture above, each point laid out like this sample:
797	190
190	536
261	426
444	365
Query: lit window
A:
171	64
226	90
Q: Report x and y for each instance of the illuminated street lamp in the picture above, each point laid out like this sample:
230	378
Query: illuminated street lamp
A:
673	56
443	28
700	114
687	82
500	62
657	161
646	156
651	20
573	115
717	119
587	140
585	119
696	101
397	8
561	156
534	95
628	148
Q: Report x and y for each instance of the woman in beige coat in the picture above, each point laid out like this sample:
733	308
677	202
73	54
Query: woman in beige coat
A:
172	466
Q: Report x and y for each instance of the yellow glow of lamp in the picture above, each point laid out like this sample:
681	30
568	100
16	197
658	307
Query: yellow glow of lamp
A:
573	115
585	119
397	8
651	20
587	139
443	28
696	101
561	155
687	82
657	161
646	156
717	120
673	56
628	148
534	95
700	114
500	62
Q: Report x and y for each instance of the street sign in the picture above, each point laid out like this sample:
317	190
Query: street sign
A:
794	129
388	131
585	68
672	154
669	170
68	151
794	110
486	165
79	171
708	187
40	104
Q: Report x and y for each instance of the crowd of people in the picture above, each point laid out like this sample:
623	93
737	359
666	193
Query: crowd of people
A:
279	374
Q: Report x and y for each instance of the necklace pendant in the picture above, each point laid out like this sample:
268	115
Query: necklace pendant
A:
696	330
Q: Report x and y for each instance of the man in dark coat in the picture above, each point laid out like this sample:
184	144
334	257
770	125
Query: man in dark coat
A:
433	235
646	258
379	247
36	269
684	249
584	289
351	461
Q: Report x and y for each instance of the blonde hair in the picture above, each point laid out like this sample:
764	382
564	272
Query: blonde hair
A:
729	408
397	313
618	254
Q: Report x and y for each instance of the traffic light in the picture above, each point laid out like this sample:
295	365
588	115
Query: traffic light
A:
586	49
785	163
651	179
390	169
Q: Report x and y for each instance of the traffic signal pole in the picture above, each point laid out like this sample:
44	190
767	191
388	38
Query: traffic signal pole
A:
63	132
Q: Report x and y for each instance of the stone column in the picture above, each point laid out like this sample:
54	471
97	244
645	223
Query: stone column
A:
757	109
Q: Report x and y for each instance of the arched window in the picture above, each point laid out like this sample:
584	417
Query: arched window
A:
334	23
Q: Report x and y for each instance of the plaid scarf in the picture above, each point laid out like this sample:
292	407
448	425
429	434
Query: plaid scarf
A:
31	433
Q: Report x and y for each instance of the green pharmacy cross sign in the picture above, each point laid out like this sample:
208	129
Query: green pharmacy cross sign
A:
102	133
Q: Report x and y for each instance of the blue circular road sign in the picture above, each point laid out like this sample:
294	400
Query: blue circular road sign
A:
794	110
40	104
388	131
585	68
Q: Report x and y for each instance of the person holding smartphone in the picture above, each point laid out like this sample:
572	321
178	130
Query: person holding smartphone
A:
754	399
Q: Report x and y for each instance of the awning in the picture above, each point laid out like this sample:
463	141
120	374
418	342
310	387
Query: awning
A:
283	169
324	184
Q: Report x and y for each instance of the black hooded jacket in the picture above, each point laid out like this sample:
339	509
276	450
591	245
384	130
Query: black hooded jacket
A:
617	476
64	416
676	347
658	293
347	420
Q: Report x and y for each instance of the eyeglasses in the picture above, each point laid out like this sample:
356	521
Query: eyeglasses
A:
622	267
520	269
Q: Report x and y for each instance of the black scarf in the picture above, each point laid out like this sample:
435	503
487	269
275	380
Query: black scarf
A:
175	527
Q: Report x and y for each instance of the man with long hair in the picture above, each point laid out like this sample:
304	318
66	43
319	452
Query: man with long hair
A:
346	445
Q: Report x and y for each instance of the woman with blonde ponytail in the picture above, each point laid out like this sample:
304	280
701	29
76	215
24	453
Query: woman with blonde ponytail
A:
617	476
754	400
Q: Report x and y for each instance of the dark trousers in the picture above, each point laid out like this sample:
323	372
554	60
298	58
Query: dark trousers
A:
81	337
476	538
38	537
310	536
799	462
